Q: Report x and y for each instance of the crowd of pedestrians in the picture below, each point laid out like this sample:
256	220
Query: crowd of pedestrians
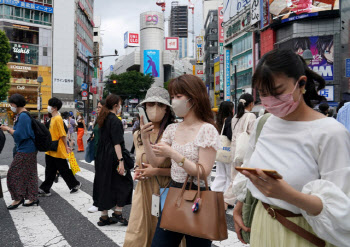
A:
285	172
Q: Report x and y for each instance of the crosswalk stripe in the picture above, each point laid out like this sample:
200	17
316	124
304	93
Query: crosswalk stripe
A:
82	201
32	224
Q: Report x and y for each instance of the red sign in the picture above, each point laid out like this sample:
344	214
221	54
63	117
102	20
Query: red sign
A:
101	65
221	25
84	93
172	43
200	72
133	38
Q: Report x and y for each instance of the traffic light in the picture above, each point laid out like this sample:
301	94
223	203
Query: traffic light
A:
115	82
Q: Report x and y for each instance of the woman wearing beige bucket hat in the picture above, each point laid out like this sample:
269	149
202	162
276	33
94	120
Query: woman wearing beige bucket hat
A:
142	223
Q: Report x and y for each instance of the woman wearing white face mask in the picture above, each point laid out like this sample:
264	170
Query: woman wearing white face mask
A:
189	143
142	223
310	206
22	176
113	184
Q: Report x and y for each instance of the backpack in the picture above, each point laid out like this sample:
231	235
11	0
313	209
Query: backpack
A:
42	135
242	142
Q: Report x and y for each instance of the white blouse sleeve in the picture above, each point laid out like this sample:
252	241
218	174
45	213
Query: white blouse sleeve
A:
333	188
209	137
168	134
239	185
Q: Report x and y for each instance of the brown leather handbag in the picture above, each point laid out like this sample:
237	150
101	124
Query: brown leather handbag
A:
208	222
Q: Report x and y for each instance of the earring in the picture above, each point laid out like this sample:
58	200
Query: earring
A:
304	91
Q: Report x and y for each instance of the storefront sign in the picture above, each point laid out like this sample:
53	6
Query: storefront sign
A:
20	68
152	19
21	87
17	48
228	76
63	85
238	26
255	9
151	62
328	92
221	25
233	7
21	4
172	43
200	49
265	20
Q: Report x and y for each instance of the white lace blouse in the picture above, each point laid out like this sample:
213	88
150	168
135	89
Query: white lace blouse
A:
207	136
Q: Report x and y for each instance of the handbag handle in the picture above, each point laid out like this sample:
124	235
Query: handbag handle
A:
246	123
222	130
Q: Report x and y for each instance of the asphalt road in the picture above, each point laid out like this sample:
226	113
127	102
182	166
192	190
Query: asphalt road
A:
62	219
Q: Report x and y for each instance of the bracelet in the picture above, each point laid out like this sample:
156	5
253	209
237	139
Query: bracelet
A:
121	159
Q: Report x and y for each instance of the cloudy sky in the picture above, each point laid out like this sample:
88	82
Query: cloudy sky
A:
120	16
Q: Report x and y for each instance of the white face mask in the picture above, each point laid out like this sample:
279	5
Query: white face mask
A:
13	109
119	110
180	107
49	109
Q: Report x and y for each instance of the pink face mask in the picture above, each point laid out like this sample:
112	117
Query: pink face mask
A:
281	106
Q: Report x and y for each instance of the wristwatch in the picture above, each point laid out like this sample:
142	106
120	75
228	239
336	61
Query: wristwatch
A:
182	162
121	159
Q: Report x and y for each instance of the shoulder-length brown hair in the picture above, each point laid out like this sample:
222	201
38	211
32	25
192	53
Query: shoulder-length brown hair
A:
111	101
193	87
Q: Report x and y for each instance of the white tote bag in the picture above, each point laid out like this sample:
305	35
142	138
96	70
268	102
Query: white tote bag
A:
224	154
242	142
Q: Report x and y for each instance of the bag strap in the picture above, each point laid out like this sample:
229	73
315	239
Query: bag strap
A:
277	214
223	127
260	126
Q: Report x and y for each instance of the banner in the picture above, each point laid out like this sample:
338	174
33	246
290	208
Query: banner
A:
221	25
255	9
151	62
233	7
228	76
285	11
200	49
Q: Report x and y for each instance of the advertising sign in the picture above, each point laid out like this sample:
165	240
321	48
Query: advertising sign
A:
152	19
255	10
199	71
172	43
228	76
131	39
328	92
28	5
347	67
217	71
291	10
233	7
200	49
322	49
151	62
221	25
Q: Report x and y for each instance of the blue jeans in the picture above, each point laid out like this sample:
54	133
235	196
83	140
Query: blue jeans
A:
165	238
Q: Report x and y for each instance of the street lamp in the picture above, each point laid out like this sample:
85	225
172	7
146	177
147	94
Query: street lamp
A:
308	57
87	80
39	80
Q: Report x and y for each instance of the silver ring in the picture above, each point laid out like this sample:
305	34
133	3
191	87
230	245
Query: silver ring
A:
263	179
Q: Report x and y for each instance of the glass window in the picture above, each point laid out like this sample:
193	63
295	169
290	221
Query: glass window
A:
27	13
21	35
24	53
18	13
45	51
1	13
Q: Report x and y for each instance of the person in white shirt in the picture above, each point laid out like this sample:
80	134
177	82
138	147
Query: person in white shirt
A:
309	150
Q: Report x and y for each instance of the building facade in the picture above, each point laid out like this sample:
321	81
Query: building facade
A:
178	24
28	26
73	44
211	49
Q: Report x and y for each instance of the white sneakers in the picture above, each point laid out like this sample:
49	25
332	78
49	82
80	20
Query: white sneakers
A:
93	209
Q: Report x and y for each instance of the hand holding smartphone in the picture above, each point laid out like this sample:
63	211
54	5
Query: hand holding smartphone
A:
142	113
271	173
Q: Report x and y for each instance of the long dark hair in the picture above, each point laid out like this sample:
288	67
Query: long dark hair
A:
111	101
247	99
225	111
292	65
168	118
193	87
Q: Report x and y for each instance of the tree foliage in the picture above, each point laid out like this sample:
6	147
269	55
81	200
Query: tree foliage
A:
166	84
131	84
5	73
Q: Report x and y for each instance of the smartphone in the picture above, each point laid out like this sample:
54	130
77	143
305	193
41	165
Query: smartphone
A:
271	173
142	113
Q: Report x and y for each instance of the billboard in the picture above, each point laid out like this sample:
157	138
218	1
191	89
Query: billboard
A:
63	49
172	43
200	49
233	7
228	75
151	62
322	49
131	39
290	10
217	72
221	25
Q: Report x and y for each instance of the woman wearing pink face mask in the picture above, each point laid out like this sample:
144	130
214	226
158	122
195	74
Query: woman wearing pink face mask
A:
309	150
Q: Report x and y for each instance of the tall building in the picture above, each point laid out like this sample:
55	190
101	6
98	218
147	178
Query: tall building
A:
98	44
178	20
73	44
211	49
28	25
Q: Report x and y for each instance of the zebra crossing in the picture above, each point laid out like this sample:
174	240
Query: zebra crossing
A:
63	219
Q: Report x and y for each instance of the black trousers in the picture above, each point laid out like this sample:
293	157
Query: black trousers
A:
52	166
